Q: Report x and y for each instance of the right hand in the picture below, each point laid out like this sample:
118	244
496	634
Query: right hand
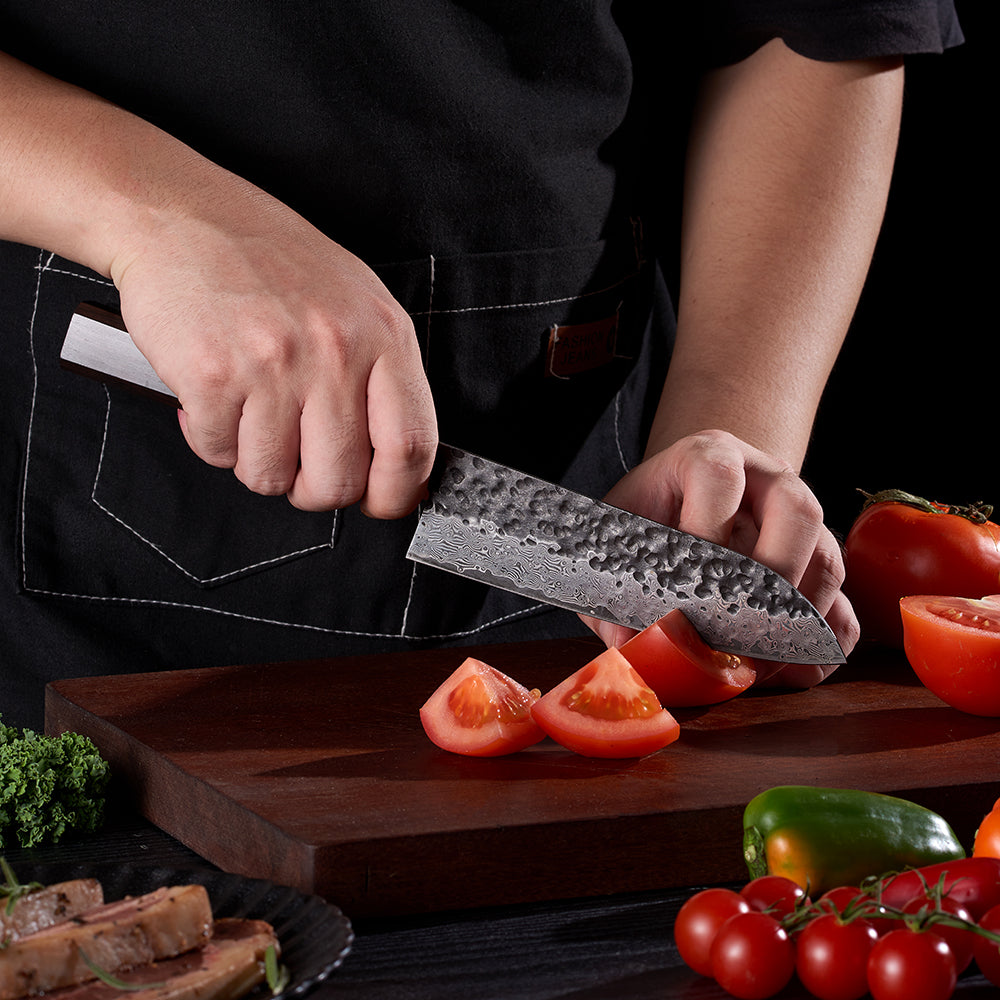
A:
293	364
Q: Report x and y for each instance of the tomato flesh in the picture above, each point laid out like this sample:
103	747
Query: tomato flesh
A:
481	712
605	709
683	670
953	645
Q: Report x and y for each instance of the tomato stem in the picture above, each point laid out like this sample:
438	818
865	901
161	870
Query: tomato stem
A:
976	512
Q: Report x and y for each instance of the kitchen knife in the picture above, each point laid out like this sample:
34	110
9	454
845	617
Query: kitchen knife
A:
494	524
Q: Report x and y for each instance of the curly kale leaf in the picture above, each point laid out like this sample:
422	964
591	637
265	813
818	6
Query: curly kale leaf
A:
49	785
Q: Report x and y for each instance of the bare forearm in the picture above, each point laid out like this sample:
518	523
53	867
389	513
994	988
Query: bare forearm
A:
293	364
788	175
81	176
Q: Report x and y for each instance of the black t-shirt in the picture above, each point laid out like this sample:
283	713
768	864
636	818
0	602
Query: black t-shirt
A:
404	128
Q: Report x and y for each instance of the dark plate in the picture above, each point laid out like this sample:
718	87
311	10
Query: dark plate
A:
315	936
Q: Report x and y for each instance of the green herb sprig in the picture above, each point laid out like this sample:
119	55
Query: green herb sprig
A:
49	786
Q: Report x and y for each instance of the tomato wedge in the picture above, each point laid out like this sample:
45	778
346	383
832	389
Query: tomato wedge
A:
953	645
681	668
606	709
481	712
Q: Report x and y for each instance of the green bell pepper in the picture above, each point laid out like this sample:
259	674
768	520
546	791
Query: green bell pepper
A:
827	837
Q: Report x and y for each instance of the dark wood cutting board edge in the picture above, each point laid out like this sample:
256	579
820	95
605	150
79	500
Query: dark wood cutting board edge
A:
325	781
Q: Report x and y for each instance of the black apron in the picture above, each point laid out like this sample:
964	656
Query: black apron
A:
492	162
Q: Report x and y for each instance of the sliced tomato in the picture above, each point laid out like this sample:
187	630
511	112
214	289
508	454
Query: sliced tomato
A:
606	709
481	712
953	645
681	668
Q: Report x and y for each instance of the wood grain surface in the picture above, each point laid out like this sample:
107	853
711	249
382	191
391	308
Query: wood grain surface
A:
318	775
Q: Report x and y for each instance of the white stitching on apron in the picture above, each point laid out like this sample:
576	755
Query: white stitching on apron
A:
173	562
42	267
530	305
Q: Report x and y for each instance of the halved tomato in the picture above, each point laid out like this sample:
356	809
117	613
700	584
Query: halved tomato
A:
681	668
606	709
953	645
481	712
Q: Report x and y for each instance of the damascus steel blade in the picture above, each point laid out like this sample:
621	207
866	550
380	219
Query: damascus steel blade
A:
501	527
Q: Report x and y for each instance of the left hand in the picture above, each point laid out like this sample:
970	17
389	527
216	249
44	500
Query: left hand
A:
715	486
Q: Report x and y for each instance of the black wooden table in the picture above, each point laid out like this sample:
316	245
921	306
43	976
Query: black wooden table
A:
604	948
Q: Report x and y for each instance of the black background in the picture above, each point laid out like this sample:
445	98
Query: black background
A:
913	400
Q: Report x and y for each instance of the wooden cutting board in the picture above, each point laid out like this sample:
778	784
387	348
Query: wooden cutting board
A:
318	775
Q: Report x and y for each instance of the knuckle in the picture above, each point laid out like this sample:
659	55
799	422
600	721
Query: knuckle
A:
802	503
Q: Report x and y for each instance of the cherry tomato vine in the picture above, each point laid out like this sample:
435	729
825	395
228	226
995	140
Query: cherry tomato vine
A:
843	946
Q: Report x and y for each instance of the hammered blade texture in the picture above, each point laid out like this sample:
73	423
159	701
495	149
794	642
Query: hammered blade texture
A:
493	524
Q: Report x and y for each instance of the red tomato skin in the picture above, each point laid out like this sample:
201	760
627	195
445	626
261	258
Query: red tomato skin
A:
911	965
698	921
987	842
682	669
971	882
960	663
587	732
774	894
986	952
497	734
752	956
959	941
831	957
894	550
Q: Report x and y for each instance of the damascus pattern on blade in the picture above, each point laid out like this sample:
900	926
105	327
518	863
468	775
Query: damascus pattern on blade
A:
501	527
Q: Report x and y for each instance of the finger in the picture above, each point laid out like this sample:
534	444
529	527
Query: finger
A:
213	435
790	521
824	575
712	481
268	444
610	633
403	428
334	451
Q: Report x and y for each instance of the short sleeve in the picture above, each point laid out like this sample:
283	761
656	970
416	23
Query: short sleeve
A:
829	30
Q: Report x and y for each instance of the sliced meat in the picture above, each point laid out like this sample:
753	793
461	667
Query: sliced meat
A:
119	935
229	966
49	905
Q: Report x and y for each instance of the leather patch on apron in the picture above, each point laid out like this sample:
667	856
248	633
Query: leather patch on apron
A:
581	347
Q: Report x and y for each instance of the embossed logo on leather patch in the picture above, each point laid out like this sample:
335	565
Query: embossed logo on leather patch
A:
580	347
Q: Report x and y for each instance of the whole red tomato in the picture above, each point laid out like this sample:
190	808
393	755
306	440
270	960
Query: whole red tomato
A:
987	842
902	545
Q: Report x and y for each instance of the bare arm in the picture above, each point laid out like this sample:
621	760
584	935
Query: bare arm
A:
788	174
293	364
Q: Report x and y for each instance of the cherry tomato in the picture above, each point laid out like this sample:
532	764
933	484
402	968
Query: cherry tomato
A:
987	842
901	545
774	894
606	710
481	712
681	668
699	920
752	956
953	645
972	882
857	904
831	957
960	941
911	965
987	952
